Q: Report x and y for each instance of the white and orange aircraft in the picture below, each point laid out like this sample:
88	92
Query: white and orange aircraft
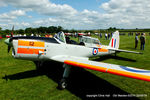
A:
41	49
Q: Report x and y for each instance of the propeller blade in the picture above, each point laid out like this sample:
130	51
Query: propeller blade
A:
8	42
9	47
12	31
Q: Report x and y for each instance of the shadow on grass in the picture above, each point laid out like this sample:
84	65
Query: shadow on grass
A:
81	82
22	75
133	49
113	57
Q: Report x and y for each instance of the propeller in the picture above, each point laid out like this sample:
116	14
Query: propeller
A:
9	40
9	47
12	31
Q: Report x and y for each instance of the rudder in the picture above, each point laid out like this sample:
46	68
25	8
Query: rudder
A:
114	42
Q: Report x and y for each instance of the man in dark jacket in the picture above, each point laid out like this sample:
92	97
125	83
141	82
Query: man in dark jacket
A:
142	39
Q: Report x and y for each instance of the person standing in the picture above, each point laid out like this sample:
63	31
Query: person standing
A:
100	35
136	40
106	36
142	39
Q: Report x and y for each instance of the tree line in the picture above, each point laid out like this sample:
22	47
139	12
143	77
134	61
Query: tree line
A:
42	30
30	30
55	29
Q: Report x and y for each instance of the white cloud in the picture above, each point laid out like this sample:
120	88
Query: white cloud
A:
12	15
127	13
7	20
43	7
116	13
18	25
17	13
25	24
81	20
30	16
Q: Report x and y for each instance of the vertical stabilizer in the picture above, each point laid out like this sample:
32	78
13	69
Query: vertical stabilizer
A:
114	42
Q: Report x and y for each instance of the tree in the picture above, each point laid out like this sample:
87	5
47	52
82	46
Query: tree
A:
1	30
72	31
21	31
59	28
7	31
42	29
28	30
111	29
52	29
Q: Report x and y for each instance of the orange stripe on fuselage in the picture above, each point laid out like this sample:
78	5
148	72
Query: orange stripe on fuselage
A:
29	51
31	43
102	50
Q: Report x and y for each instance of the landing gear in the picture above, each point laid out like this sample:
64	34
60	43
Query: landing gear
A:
63	82
38	64
115	54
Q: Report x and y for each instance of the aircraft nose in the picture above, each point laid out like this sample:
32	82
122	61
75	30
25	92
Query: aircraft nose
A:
7	41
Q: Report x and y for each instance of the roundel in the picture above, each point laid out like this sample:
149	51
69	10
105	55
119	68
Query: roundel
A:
95	51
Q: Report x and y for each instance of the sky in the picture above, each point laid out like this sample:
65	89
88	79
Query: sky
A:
75	14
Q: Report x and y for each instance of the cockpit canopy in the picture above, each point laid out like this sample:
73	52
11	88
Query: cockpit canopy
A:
84	40
90	40
60	36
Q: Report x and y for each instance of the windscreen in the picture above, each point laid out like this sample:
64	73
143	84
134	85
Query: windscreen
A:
61	37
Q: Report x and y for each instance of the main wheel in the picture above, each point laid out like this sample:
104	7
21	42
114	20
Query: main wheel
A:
62	84
38	64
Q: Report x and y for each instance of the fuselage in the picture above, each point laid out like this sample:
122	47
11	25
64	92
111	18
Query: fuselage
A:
41	48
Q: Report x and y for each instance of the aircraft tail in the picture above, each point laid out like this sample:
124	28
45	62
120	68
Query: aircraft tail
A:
114	43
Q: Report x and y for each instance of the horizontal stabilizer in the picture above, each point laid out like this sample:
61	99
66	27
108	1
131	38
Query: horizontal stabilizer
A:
120	50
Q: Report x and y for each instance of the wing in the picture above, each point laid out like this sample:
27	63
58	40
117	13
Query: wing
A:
120	50
104	67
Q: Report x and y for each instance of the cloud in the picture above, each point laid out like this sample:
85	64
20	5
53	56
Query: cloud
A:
2	4
12	15
115	13
132	7
81	20
127	13
43	7
9	19
17	13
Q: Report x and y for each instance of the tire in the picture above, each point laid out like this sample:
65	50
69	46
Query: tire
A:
63	84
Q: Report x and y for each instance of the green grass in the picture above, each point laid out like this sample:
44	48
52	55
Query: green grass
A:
26	87
24	83
132	86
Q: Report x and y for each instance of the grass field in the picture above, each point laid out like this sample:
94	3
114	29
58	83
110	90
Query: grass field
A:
20	81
